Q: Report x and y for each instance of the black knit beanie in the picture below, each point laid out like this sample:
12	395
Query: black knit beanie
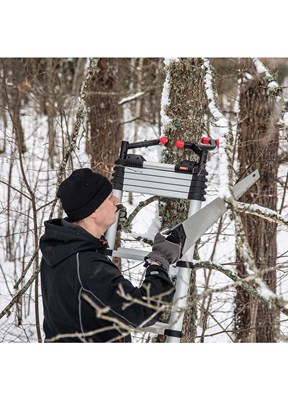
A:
82	193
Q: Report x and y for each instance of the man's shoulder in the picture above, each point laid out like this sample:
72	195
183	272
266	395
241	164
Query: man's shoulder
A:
94	256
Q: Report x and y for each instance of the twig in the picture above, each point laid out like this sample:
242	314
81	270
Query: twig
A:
19	280
126	224
284	194
15	189
16	298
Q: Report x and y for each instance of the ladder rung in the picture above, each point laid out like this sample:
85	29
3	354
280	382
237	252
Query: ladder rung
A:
156	328
159	179
126	253
157	192
140	171
156	185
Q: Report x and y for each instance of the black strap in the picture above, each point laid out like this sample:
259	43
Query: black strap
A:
185	264
173	333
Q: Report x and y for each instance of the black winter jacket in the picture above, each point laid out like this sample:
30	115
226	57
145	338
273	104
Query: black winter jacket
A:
74	266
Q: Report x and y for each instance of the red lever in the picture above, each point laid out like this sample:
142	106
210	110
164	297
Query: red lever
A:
205	140
180	143
217	142
163	140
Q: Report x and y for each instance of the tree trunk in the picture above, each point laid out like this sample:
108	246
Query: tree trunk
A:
104	121
186	111
104	118
257	148
16	95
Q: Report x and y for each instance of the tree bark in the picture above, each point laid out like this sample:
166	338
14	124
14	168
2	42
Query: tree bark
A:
258	141
186	112
104	117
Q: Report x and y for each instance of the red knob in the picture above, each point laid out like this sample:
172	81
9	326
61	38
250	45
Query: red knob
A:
180	143
163	140
205	140
217	142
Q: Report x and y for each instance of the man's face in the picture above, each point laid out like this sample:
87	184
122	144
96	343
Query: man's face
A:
105	215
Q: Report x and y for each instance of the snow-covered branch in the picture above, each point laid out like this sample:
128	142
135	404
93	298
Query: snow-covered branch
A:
259	293
272	86
130	98
165	100
248	259
223	127
259	211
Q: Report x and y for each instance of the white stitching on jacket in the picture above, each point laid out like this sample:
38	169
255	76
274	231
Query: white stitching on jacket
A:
79	294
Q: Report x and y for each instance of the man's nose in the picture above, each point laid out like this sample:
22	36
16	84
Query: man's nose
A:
116	199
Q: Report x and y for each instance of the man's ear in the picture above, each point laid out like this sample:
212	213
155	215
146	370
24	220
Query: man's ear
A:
94	215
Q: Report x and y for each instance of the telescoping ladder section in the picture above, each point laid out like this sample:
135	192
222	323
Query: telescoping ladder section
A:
185	180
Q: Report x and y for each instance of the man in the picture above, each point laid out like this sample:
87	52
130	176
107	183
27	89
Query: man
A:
85	296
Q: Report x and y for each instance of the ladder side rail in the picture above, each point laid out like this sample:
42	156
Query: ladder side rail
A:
157	192
112	230
182	286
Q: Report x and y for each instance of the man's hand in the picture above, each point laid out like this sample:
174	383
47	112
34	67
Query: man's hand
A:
164	251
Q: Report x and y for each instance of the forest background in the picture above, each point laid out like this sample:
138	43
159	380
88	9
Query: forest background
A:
59	114
211	368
